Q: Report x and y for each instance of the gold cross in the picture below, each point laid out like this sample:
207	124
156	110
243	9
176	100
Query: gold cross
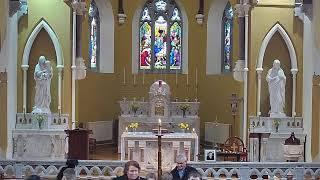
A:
234	147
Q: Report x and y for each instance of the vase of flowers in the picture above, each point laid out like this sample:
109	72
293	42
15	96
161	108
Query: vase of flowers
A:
184	108
40	118
276	123
134	126
135	107
184	127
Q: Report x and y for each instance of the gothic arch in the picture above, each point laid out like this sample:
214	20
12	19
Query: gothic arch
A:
278	28
106	49
135	37
213	62
26	52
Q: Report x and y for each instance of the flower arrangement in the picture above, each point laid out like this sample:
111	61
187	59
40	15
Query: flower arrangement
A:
276	122
134	125
184	126
184	107
134	107
40	118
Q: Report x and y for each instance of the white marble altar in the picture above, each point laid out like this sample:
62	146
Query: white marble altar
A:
159	106
143	147
269	139
32	144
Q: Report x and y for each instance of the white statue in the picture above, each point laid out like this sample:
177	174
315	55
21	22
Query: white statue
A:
42	76
277	81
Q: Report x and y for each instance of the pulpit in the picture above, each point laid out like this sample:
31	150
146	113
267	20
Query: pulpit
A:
78	143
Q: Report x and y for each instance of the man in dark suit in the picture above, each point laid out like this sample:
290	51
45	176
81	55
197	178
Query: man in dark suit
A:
292	140
182	170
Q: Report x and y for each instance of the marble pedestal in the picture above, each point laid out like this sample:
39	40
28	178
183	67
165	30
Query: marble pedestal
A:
267	136
34	144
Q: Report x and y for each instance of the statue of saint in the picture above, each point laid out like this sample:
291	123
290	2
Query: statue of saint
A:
276	81
42	76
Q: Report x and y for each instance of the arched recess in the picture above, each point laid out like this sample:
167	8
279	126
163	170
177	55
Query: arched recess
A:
135	37
106	61
293	61
278	28
213	62
26	53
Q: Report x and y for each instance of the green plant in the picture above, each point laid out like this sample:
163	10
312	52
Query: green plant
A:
184	107
40	118
276	122
134	107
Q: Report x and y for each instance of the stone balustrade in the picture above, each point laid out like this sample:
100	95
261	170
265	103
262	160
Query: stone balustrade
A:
217	170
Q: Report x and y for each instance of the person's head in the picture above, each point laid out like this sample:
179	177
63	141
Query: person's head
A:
132	169
42	61
195	175
151	176
33	177
72	163
276	64
181	161
166	176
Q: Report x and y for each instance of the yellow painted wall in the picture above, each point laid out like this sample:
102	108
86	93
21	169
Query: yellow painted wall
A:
315	117
259	28
98	93
4	11
57	15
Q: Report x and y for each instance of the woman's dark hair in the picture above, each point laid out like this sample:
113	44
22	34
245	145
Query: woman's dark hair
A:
33	177
71	163
130	163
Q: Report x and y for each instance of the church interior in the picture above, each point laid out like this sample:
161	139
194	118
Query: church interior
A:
106	81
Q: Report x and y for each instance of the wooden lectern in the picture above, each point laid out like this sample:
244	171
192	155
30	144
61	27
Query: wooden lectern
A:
78	144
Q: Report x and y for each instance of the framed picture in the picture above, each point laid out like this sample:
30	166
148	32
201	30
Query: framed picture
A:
210	155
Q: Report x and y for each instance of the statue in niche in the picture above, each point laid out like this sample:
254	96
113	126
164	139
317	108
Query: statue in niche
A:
42	76
276	81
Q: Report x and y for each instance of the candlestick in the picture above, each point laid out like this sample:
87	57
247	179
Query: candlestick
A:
124	75
176	77
187	79
143	77
159	127
196	76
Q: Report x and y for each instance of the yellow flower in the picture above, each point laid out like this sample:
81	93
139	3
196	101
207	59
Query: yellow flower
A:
184	126
134	125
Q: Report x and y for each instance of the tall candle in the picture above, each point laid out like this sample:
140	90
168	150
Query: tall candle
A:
124	75
176	77
196	76
143	77
187	79
159	126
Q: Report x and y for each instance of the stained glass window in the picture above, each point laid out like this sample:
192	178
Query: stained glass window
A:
94	40
160	32
227	28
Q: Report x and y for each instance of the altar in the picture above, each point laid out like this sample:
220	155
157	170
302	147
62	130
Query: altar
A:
267	137
143	116
143	147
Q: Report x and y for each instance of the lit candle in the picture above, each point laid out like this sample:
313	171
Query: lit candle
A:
193	130
126	128
124	75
